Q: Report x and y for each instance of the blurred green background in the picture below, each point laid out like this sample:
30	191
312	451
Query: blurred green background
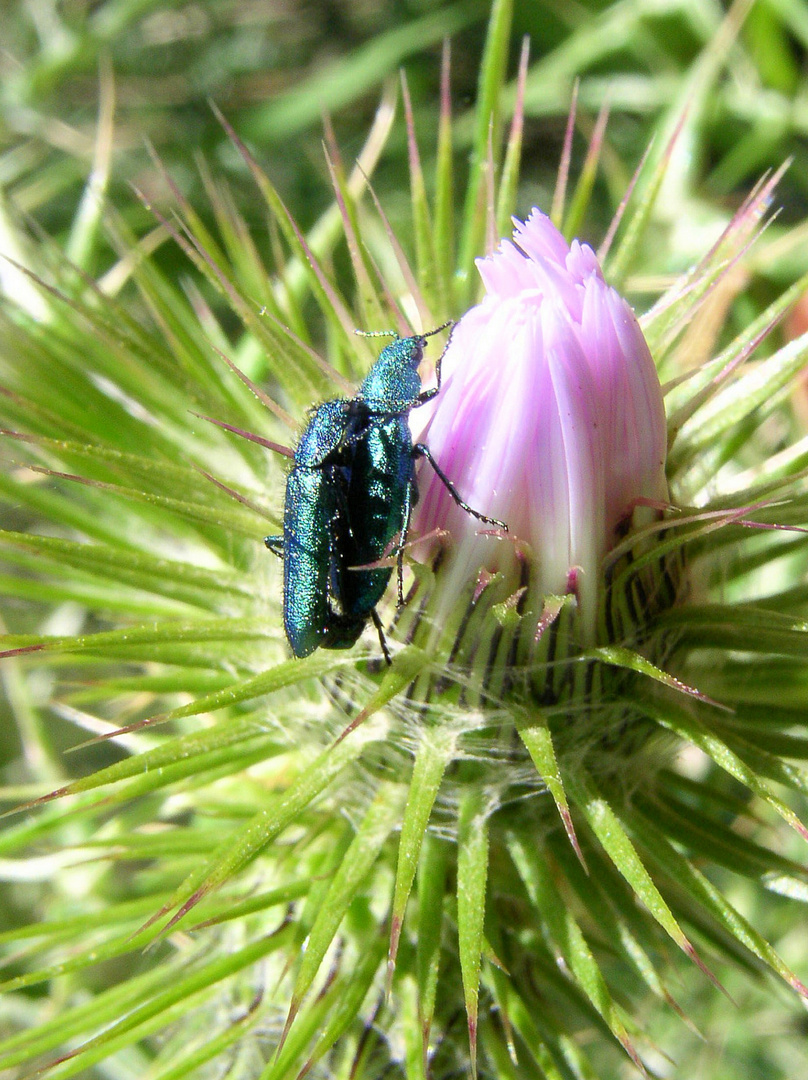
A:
275	66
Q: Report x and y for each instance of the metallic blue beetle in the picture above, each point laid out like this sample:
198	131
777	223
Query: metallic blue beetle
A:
313	524
349	495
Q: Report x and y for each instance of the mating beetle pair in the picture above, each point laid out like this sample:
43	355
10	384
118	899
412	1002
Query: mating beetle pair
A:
350	493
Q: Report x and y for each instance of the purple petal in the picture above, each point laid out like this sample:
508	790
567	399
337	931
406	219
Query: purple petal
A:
550	415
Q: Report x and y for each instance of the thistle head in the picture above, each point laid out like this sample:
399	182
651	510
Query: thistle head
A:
550	417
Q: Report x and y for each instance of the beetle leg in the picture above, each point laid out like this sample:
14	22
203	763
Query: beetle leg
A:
352	440
421	450
402	542
275	545
377	622
427	395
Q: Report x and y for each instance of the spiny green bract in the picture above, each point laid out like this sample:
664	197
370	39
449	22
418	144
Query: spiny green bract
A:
406	899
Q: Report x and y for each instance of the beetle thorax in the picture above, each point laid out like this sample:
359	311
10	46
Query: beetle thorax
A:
393	384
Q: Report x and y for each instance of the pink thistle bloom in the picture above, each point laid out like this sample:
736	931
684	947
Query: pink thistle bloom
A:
550	415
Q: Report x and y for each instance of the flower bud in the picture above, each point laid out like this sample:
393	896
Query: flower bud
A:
550	415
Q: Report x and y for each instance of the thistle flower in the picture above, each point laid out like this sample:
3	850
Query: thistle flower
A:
550	414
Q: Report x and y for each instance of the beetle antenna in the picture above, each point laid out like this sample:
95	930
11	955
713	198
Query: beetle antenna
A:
437	330
377	333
